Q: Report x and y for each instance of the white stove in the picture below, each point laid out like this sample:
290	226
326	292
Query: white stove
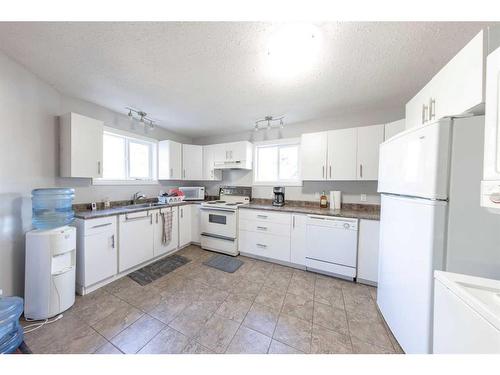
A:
219	220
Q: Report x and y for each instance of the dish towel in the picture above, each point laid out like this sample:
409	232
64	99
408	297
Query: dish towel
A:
166	218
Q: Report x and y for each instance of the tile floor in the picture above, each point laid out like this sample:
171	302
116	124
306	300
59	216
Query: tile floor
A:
261	308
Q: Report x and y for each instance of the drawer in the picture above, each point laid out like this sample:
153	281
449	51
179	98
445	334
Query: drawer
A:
268	216
265	227
95	226
330	268
265	245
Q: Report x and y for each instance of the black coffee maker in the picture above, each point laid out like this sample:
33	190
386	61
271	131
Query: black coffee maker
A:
279	196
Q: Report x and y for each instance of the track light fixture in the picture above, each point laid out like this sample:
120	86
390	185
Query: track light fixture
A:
141	117
270	122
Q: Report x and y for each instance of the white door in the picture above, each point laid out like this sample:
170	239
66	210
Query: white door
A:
159	247
342	154
86	146
195	223
169	160
136	235
298	242
184	225
209	171
369	140
313	155
416	162
100	254
393	128
412	235
368	244
192	162
220	153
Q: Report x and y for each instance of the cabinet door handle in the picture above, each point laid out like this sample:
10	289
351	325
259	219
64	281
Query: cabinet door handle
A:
182	213
330	171
361	170
137	218
261	245
432	109
262	216
157	218
262	228
101	225
113	241
99	168
151	219
424	113
171	172
293	222
323	172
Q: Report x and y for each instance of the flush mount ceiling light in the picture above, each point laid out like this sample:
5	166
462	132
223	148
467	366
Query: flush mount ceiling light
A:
136	115
293	50
269	122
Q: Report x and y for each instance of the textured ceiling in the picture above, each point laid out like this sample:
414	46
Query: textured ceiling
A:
202	79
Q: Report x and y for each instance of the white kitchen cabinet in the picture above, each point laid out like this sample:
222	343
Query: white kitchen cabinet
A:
136	239
158	247
96	251
393	128
313	156
195	223
169	160
234	155
459	87
342	147
368	249
369	140
209	171
298	243
185	223
80	146
192	162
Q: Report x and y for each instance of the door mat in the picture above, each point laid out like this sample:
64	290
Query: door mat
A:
153	271
224	263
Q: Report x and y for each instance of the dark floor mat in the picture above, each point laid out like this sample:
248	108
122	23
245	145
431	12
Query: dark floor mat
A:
160	268
224	263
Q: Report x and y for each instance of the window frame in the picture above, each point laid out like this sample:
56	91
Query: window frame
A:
153	157
277	143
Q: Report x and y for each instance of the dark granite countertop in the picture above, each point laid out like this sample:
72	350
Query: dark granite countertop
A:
368	212
119	210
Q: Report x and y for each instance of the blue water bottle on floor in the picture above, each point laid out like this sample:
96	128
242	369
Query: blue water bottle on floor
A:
11	332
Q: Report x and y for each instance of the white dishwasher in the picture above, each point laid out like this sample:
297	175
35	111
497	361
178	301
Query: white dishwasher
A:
332	245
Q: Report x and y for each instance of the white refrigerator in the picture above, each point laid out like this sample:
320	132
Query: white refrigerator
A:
413	179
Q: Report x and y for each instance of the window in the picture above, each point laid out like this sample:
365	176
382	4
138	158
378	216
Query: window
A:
127	158
277	162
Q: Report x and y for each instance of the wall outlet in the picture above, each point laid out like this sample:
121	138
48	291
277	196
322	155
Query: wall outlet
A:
362	198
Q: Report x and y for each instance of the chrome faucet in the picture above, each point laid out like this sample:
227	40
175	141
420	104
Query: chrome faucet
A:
138	196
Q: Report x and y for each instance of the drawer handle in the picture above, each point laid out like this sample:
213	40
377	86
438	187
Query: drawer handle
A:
136	218
101	225
262	216
262	228
261	245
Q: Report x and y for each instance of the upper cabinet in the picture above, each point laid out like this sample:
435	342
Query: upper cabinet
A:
344	154
209	171
234	155
458	88
80	146
393	128
192	162
169	160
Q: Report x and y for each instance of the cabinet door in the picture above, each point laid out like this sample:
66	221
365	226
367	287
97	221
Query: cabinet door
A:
393	128
159	247
342	154
220	153
195	223
369	140
169	160
298	240
237	151
184	225
136	234
313	155
209	171
368	251
192	162
100	254
491	169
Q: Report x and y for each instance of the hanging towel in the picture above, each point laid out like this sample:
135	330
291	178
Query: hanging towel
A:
166	218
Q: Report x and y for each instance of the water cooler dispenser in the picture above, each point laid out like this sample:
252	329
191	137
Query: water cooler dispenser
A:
49	272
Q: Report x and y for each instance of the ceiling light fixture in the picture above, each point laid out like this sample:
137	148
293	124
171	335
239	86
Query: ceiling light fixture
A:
136	115
270	122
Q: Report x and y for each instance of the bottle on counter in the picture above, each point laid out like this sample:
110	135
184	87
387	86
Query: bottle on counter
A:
323	201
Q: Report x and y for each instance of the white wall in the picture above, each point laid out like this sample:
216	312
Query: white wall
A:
29	159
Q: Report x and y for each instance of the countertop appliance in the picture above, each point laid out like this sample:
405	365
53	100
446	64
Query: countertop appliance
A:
193	193
332	245
219	219
279	196
429	177
49	272
466	314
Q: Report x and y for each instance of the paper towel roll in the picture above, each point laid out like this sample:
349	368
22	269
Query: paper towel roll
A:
335	199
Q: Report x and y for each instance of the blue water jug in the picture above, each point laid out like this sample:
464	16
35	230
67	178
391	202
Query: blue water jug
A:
52	208
11	332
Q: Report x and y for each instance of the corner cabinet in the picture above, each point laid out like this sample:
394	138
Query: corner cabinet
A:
80	146
209	171
298	240
345	154
169	160
368	250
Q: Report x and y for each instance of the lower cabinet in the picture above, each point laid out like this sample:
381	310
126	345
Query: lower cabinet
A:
185	223
136	239
160	248
195	223
298	240
368	245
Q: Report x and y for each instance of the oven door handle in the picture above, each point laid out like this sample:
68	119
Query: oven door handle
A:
217	209
218	237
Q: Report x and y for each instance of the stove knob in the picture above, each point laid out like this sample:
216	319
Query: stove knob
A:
346	226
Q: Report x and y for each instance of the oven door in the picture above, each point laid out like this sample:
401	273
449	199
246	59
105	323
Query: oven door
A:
218	222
